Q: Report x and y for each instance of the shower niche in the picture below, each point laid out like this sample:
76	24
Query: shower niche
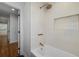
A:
66	31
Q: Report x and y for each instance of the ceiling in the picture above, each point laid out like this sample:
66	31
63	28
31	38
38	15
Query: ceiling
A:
5	11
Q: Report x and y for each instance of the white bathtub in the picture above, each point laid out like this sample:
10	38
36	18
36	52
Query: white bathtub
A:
49	51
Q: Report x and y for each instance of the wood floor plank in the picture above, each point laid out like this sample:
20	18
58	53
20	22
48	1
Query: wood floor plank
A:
6	49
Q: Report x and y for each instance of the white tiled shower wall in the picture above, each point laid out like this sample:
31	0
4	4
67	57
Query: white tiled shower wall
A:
46	18
63	9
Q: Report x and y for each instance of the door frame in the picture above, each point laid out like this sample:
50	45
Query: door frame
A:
19	40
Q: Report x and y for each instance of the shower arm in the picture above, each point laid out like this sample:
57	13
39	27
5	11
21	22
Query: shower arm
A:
43	6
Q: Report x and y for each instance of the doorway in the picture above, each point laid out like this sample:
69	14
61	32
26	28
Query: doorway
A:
9	31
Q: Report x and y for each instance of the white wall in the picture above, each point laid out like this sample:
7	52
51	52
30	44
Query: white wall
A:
3	29
38	24
27	29
60	10
13	28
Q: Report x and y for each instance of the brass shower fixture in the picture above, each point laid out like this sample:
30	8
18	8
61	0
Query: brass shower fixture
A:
47	6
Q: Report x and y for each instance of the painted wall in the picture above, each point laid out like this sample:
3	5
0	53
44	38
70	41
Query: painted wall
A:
13	28
3	29
68	43
27	29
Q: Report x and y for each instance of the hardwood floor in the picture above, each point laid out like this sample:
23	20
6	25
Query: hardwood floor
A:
4	52
3	46
6	49
13	49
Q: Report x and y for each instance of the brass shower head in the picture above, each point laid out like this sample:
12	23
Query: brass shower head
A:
48	6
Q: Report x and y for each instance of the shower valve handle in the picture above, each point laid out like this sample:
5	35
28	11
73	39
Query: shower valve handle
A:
41	44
